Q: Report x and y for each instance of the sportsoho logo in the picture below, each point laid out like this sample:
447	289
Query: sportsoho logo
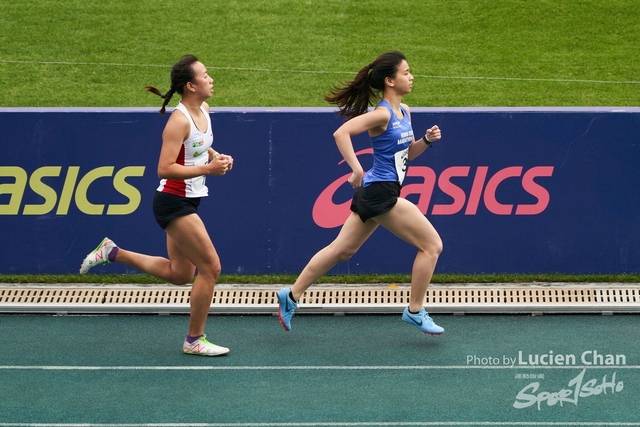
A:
581	386
327	214
551	386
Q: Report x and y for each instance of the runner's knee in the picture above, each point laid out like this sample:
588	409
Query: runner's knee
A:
211	269
433	248
342	254
438	247
183	278
345	256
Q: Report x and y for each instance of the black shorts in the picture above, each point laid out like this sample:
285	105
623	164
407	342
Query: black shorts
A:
167	207
376	199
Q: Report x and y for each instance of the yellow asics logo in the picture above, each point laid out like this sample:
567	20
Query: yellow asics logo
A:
74	187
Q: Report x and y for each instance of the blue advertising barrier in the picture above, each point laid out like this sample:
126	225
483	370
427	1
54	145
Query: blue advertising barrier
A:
529	190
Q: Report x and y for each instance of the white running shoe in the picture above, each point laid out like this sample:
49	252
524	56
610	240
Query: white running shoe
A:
202	347
98	256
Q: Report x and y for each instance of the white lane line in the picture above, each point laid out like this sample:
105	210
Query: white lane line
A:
303	368
329	424
275	70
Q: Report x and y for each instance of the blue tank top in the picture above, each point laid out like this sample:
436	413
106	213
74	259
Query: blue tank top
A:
390	149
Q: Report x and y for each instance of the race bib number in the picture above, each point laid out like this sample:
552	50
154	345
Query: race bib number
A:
197	183
401	157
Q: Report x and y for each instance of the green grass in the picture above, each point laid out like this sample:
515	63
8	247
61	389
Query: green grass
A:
144	279
288	52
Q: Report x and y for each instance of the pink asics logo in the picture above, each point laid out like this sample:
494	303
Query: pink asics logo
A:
328	214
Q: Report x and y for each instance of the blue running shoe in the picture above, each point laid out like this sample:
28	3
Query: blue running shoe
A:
422	321
286	307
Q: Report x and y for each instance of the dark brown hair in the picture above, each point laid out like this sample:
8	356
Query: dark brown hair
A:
181	74
354	97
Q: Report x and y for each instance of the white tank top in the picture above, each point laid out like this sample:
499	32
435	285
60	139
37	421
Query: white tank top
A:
194	151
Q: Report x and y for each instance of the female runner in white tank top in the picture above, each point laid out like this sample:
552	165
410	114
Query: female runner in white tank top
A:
186	158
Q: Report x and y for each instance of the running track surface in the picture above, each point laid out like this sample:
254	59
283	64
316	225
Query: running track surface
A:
354	370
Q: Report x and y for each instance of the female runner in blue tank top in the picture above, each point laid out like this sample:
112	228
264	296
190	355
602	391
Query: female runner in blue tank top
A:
376	201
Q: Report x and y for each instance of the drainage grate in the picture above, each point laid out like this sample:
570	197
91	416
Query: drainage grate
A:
248	297
534	296
146	296
356	296
445	299
51	296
